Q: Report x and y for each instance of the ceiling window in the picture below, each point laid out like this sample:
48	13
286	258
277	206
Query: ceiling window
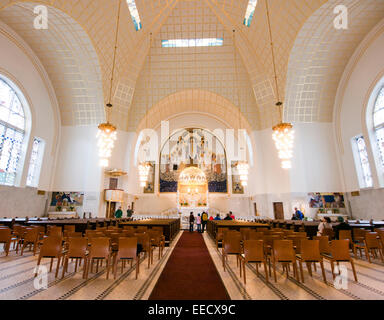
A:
12	131
186	43
250	12
362	163
35	162
134	14
378	122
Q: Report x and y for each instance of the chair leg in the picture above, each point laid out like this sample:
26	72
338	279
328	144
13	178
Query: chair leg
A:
240	267
301	270
50	268
85	267
309	268
333	269
57	267
244	272
38	264
296	271
266	271
367	254
65	259
354	270
274	270
224	260
323	271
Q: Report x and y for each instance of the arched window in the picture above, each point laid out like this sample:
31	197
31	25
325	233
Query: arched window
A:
12	131
378	123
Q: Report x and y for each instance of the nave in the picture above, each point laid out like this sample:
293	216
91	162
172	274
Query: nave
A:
185	257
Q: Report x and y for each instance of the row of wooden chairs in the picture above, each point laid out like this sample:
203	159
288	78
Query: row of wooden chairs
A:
287	252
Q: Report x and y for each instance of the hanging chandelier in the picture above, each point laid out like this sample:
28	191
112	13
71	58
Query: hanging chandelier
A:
106	138
283	133
107	134
242	166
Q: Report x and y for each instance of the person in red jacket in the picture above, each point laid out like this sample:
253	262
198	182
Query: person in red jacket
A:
231	215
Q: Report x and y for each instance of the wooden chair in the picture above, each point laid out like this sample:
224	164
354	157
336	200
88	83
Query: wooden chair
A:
370	245
297	239
127	251
253	253
245	233
310	253
157	241
77	249
328	232
231	246
100	250
253	235
52	249
340	253
358	235
55	232
7	239
284	253
141	229
30	238
324	246
145	241
220	236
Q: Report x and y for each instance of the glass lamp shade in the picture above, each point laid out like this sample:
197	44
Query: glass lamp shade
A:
284	137
106	138
143	173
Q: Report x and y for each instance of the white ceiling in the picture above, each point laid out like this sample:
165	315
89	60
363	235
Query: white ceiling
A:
77	52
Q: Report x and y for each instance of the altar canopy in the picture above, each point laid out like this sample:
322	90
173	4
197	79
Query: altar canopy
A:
198	148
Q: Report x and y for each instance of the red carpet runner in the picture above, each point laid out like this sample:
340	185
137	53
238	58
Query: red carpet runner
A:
190	273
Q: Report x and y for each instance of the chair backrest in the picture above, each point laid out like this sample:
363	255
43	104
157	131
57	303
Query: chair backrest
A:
31	235
372	240
128	234
52	247
232	242
100	248
301	234
310	250
245	233
328	232
254	250
323	244
253	235
297	239
283	250
340	250
358	234
129	228
70	228
55	231
77	247
5	235
160	229
141	229
74	235
127	248
269	240
143	239
345	234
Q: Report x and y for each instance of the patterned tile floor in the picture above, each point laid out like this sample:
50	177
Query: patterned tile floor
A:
17	281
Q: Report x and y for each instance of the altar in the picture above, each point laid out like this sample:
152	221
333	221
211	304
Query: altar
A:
186	212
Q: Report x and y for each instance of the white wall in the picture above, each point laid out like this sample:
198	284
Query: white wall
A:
365	69
22	67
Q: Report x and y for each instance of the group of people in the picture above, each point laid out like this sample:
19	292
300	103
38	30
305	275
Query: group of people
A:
202	220
326	223
119	213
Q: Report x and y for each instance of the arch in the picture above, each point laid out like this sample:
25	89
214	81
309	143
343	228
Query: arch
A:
194	102
68	55
314	70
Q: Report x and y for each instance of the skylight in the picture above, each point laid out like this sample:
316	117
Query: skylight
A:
134	14
186	43
250	12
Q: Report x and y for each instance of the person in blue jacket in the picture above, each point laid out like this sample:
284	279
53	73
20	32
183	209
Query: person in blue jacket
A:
299	215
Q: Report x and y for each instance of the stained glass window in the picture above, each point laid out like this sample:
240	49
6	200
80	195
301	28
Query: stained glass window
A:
12	126
378	121
367	181
186	43
35	162
134	14
250	12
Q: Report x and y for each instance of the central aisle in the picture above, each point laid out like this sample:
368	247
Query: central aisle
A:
190	273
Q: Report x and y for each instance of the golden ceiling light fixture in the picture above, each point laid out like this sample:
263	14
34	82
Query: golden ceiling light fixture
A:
242	166
283	133
107	133
144	166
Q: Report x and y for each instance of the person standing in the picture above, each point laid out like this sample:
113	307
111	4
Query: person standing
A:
191	222
118	213
228	217
198	222
231	215
299	214
129	212
204	221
